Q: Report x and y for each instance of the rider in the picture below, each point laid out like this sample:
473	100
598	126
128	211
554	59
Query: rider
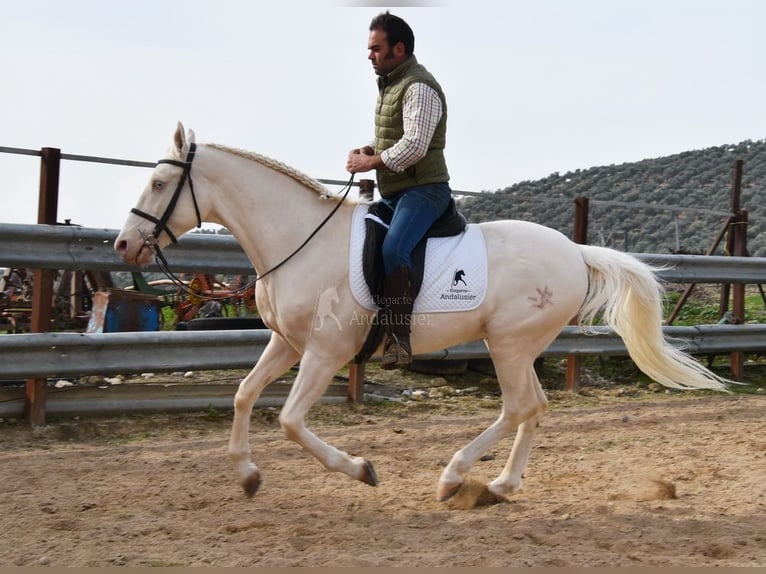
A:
408	156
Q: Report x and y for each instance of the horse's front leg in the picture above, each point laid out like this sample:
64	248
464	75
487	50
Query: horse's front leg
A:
277	357
313	379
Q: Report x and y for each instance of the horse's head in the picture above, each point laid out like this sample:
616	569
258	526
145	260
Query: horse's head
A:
167	207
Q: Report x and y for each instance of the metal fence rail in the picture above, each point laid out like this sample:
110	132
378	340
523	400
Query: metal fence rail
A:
79	248
48	355
73	354
82	248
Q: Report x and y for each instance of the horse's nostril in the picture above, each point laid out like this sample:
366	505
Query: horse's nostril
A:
121	246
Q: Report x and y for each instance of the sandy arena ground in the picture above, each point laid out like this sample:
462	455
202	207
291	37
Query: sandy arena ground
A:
615	479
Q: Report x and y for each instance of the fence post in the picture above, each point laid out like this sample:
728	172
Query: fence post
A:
42	287
356	370
581	237
737	358
734	202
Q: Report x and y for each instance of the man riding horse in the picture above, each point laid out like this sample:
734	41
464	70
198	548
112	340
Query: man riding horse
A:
408	156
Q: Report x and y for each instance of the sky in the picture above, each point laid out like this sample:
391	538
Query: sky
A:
532	87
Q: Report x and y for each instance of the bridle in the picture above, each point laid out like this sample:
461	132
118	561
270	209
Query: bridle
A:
161	224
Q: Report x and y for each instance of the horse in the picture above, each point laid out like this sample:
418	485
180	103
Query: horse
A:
538	282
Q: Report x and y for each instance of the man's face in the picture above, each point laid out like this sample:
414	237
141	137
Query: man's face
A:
384	58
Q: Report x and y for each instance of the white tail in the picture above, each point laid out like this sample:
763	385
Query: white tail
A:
630	296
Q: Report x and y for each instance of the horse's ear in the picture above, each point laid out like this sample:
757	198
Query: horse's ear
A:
182	139
179	141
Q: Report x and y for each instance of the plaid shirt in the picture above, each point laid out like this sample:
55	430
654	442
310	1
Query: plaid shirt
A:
421	110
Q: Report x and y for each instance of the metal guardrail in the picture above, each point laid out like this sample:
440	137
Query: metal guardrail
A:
81	248
47	355
41	355
707	268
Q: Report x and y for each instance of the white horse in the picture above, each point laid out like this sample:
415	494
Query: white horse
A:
538	281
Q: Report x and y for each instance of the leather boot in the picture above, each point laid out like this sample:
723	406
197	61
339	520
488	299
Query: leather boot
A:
397	290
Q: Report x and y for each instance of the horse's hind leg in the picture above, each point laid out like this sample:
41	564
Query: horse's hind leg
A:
523	404
510	478
277	357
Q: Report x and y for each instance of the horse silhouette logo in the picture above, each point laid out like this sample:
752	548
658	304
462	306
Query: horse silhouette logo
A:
458	278
323	308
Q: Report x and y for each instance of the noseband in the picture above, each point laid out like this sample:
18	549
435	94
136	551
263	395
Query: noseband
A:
161	224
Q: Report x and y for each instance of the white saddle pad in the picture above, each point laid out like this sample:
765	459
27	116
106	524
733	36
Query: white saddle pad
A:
455	274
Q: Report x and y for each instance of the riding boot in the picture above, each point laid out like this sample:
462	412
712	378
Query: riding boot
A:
397	290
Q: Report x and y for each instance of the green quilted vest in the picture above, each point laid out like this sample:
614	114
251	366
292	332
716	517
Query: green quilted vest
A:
389	129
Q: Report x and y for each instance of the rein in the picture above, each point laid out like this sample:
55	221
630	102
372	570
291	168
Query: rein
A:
160	225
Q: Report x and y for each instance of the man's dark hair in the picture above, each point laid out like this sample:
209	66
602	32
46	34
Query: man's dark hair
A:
396	29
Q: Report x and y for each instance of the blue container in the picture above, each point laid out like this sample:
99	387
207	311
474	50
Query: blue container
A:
118	310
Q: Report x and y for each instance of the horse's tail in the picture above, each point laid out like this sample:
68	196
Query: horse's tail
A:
630	296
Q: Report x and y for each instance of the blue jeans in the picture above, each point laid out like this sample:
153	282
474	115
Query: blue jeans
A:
415	210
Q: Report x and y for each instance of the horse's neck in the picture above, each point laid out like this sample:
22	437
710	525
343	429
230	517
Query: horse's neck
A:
270	213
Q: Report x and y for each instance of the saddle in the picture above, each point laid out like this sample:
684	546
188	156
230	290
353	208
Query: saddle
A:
377	222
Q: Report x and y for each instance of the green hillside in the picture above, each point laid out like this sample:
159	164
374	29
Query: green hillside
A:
669	204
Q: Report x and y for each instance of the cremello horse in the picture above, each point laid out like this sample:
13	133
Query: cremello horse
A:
271	209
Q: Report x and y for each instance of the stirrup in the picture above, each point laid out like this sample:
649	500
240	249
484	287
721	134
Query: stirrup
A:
396	354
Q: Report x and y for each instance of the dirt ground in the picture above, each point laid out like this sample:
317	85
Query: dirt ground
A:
618	477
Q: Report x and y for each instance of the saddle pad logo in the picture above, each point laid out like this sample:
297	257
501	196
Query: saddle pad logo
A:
459	289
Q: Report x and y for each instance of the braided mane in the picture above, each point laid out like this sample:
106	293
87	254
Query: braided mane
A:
276	165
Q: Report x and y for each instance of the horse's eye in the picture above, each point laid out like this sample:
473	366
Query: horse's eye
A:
158	185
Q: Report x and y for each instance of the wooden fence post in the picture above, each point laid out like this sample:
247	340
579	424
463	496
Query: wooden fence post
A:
356	370
737	358
581	237
734	203
42	288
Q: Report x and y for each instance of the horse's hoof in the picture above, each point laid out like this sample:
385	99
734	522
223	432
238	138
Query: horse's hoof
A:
446	491
368	475
252	483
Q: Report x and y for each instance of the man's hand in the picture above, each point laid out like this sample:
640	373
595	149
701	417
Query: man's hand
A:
363	159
